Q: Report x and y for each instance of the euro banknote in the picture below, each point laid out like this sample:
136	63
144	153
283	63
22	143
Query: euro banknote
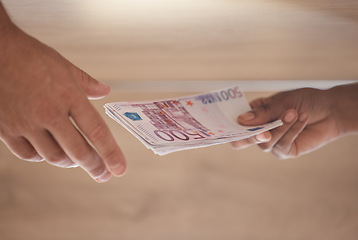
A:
188	122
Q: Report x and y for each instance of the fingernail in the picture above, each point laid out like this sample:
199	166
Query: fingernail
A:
263	137
73	165
303	117
102	85
104	178
37	158
289	117
247	116
234	145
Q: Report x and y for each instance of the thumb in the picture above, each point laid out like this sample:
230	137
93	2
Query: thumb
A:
262	114
93	88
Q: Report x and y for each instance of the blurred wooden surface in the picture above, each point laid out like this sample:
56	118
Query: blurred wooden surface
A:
201	39
210	193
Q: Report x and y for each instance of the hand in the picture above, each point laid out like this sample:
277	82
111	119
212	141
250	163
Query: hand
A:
309	121
44	103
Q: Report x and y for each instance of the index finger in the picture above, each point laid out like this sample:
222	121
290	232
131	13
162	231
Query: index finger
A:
97	132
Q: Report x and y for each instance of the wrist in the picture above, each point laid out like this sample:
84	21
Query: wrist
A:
343	100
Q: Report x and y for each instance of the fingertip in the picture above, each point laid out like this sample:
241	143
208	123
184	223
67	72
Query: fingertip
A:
290	116
93	88
98	92
104	87
104	178
119	169
248	116
303	117
263	137
235	145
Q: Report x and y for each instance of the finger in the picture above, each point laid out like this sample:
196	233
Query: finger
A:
259	101
22	148
49	149
245	143
289	118
94	128
287	147
77	148
263	113
92	88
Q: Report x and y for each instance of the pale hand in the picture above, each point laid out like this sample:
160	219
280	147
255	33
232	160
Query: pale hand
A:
40	93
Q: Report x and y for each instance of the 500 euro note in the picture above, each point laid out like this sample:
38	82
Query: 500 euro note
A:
171	125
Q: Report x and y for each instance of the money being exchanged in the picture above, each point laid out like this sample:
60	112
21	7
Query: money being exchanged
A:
171	125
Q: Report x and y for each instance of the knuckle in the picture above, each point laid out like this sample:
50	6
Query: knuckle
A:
81	154
52	121
59	159
47	113
98	133
265	147
50	111
259	101
265	107
89	161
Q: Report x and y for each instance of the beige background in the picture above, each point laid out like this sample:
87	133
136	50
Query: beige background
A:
210	193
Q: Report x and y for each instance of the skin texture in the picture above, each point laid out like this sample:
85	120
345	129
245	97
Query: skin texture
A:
45	114
311	117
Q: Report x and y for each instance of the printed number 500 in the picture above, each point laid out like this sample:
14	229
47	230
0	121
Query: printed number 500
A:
171	135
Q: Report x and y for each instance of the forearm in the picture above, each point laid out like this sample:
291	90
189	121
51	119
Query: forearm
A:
344	103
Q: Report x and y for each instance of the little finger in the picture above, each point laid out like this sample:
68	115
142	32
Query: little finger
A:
50	150
22	148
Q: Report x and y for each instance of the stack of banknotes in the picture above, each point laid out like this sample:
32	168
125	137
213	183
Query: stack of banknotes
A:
171	125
